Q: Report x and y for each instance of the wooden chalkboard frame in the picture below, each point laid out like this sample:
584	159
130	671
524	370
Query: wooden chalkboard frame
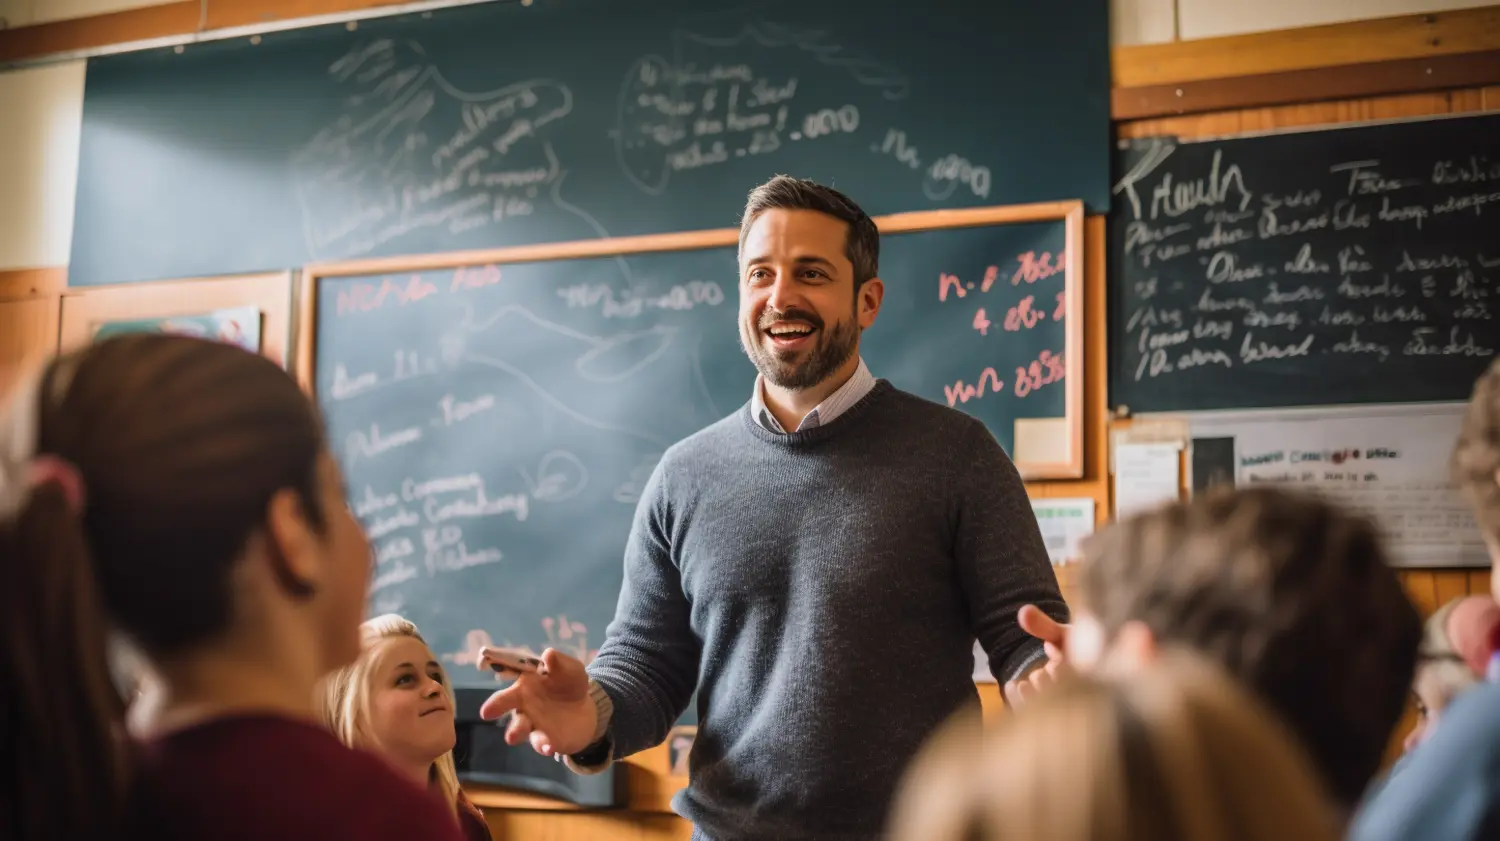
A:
1069	212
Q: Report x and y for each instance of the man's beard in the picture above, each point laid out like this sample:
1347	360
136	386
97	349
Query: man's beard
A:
832	349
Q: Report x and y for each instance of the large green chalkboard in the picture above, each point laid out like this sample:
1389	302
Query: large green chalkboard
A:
500	124
497	422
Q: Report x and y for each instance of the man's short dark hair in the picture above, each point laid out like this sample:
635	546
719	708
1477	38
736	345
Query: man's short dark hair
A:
1291	594
861	243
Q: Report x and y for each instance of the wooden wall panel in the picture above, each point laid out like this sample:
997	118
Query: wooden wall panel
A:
28	334
84	308
586	826
1407	36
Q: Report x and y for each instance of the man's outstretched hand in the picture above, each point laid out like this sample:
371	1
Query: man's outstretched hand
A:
1054	637
550	706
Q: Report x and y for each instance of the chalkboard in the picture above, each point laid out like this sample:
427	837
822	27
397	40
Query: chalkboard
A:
502	124
1339	266
497	421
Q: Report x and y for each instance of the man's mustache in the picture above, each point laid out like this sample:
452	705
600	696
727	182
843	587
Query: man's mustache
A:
769	318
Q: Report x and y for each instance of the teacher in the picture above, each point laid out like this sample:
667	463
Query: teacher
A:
816	565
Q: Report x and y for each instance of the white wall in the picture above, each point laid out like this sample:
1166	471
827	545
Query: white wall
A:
1160	21
1211	18
43	109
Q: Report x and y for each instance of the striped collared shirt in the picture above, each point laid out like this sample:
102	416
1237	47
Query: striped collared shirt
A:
851	392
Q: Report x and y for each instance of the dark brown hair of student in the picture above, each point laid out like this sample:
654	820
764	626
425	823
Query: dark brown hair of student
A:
180	444
1476	458
861	243
1289	593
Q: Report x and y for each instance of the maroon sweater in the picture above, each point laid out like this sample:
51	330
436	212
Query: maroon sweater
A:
266	777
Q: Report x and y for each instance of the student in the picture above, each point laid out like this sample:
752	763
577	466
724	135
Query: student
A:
1287	592
1449	790
181	488
395	700
1455	648
1174	752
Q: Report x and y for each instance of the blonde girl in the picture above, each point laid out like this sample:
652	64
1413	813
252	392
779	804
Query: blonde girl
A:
395	700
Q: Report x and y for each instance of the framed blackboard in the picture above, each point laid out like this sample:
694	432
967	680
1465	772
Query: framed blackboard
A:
1338	266
497	413
505	123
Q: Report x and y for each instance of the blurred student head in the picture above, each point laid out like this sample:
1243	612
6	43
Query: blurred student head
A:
1174	751
1452	658
1476	461
1286	591
179	492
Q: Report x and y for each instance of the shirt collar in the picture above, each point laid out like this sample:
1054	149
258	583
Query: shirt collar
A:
845	396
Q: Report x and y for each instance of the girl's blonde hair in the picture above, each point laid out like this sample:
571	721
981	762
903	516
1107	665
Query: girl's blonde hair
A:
1177	752
345	700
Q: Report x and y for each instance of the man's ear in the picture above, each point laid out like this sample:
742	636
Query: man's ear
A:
292	547
1134	647
867	305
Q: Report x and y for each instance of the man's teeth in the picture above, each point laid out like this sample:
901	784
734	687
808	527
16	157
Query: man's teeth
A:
790	331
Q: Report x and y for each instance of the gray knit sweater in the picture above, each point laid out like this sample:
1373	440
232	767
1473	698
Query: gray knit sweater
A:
822	591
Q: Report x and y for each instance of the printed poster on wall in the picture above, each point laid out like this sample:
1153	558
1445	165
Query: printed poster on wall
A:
238	326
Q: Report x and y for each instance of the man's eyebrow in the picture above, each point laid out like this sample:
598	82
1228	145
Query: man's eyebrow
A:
807	259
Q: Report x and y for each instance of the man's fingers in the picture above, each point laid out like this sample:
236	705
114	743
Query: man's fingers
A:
500	703
1038	624
540	743
518	730
1054	654
558	667
1010	693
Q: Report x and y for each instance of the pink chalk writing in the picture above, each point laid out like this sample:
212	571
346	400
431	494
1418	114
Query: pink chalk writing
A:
1022	316
1046	369
949	281
962	392
1034	268
475	277
365	297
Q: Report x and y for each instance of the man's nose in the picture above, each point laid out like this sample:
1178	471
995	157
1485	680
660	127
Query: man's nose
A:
784	293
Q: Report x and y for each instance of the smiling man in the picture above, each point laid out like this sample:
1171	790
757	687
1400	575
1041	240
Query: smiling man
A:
817	565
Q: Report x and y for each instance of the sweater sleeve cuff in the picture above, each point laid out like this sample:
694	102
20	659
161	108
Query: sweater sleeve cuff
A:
599	755
1037	655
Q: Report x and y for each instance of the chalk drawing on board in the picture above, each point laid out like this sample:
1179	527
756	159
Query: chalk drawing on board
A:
672	115
382	169
559	477
557	404
629	491
646	346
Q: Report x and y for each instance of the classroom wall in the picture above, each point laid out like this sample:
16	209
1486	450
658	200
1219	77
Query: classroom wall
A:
43	108
1161	21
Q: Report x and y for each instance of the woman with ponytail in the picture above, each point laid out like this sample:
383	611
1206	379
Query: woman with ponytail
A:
179	492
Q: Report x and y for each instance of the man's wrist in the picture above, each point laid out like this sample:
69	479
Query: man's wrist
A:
604	710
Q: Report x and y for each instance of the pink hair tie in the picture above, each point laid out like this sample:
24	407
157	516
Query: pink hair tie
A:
45	469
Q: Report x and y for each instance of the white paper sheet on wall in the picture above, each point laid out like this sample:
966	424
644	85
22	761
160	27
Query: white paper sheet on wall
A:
1146	475
1391	469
